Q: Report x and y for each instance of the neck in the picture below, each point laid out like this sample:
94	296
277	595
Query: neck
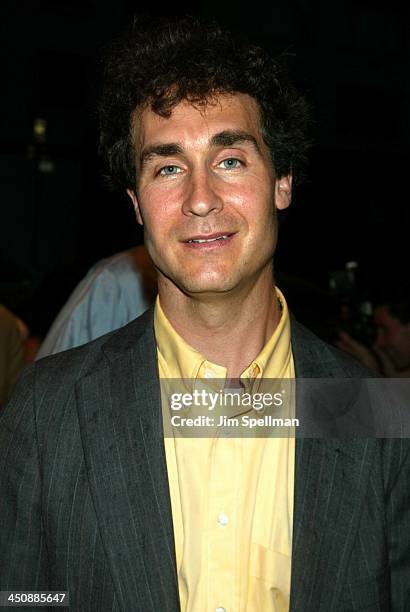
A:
228	329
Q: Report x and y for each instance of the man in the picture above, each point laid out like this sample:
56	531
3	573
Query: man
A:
116	290
205	135
12	335
391	352
393	336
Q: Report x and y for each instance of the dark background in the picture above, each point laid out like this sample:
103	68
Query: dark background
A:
350	58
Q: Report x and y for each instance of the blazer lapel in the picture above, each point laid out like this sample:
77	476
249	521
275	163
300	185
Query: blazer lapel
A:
121	427
330	480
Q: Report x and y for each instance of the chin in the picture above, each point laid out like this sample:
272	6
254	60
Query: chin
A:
202	284
198	288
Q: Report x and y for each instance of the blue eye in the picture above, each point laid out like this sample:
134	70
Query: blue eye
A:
231	163
169	170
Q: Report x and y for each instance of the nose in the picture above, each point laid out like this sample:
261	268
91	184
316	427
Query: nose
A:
201	197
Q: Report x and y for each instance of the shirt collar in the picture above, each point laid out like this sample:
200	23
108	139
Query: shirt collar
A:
180	360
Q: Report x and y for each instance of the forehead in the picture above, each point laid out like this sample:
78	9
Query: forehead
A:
194	125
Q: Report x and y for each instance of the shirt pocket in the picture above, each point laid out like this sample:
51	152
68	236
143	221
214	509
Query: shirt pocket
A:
269	579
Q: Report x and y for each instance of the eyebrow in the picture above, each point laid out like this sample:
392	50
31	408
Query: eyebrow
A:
160	150
230	138
227	138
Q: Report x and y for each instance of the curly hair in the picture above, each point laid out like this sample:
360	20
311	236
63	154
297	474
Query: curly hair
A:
163	62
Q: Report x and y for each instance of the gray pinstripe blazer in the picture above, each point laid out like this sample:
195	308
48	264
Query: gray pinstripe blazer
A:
85	505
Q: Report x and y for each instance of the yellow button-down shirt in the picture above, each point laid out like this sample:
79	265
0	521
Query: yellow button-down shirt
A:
232	498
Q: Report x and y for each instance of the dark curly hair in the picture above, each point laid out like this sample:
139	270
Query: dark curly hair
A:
162	62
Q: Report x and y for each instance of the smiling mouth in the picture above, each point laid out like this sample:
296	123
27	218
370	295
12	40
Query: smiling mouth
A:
201	240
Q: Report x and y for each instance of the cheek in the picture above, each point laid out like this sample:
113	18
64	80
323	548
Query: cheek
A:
157	228
159	210
251	201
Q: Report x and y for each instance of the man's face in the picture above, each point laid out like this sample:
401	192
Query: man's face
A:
393	337
206	195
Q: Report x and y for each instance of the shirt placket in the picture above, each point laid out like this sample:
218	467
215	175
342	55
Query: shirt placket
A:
223	526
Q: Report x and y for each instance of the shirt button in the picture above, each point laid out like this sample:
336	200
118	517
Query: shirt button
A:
208	374
223	520
220	609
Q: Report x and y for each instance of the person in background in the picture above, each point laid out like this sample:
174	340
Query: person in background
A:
13	333
390	355
116	290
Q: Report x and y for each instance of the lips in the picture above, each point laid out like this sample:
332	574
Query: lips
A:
208	238
209	242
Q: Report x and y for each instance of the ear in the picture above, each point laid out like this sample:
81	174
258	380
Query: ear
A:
135	204
283	192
